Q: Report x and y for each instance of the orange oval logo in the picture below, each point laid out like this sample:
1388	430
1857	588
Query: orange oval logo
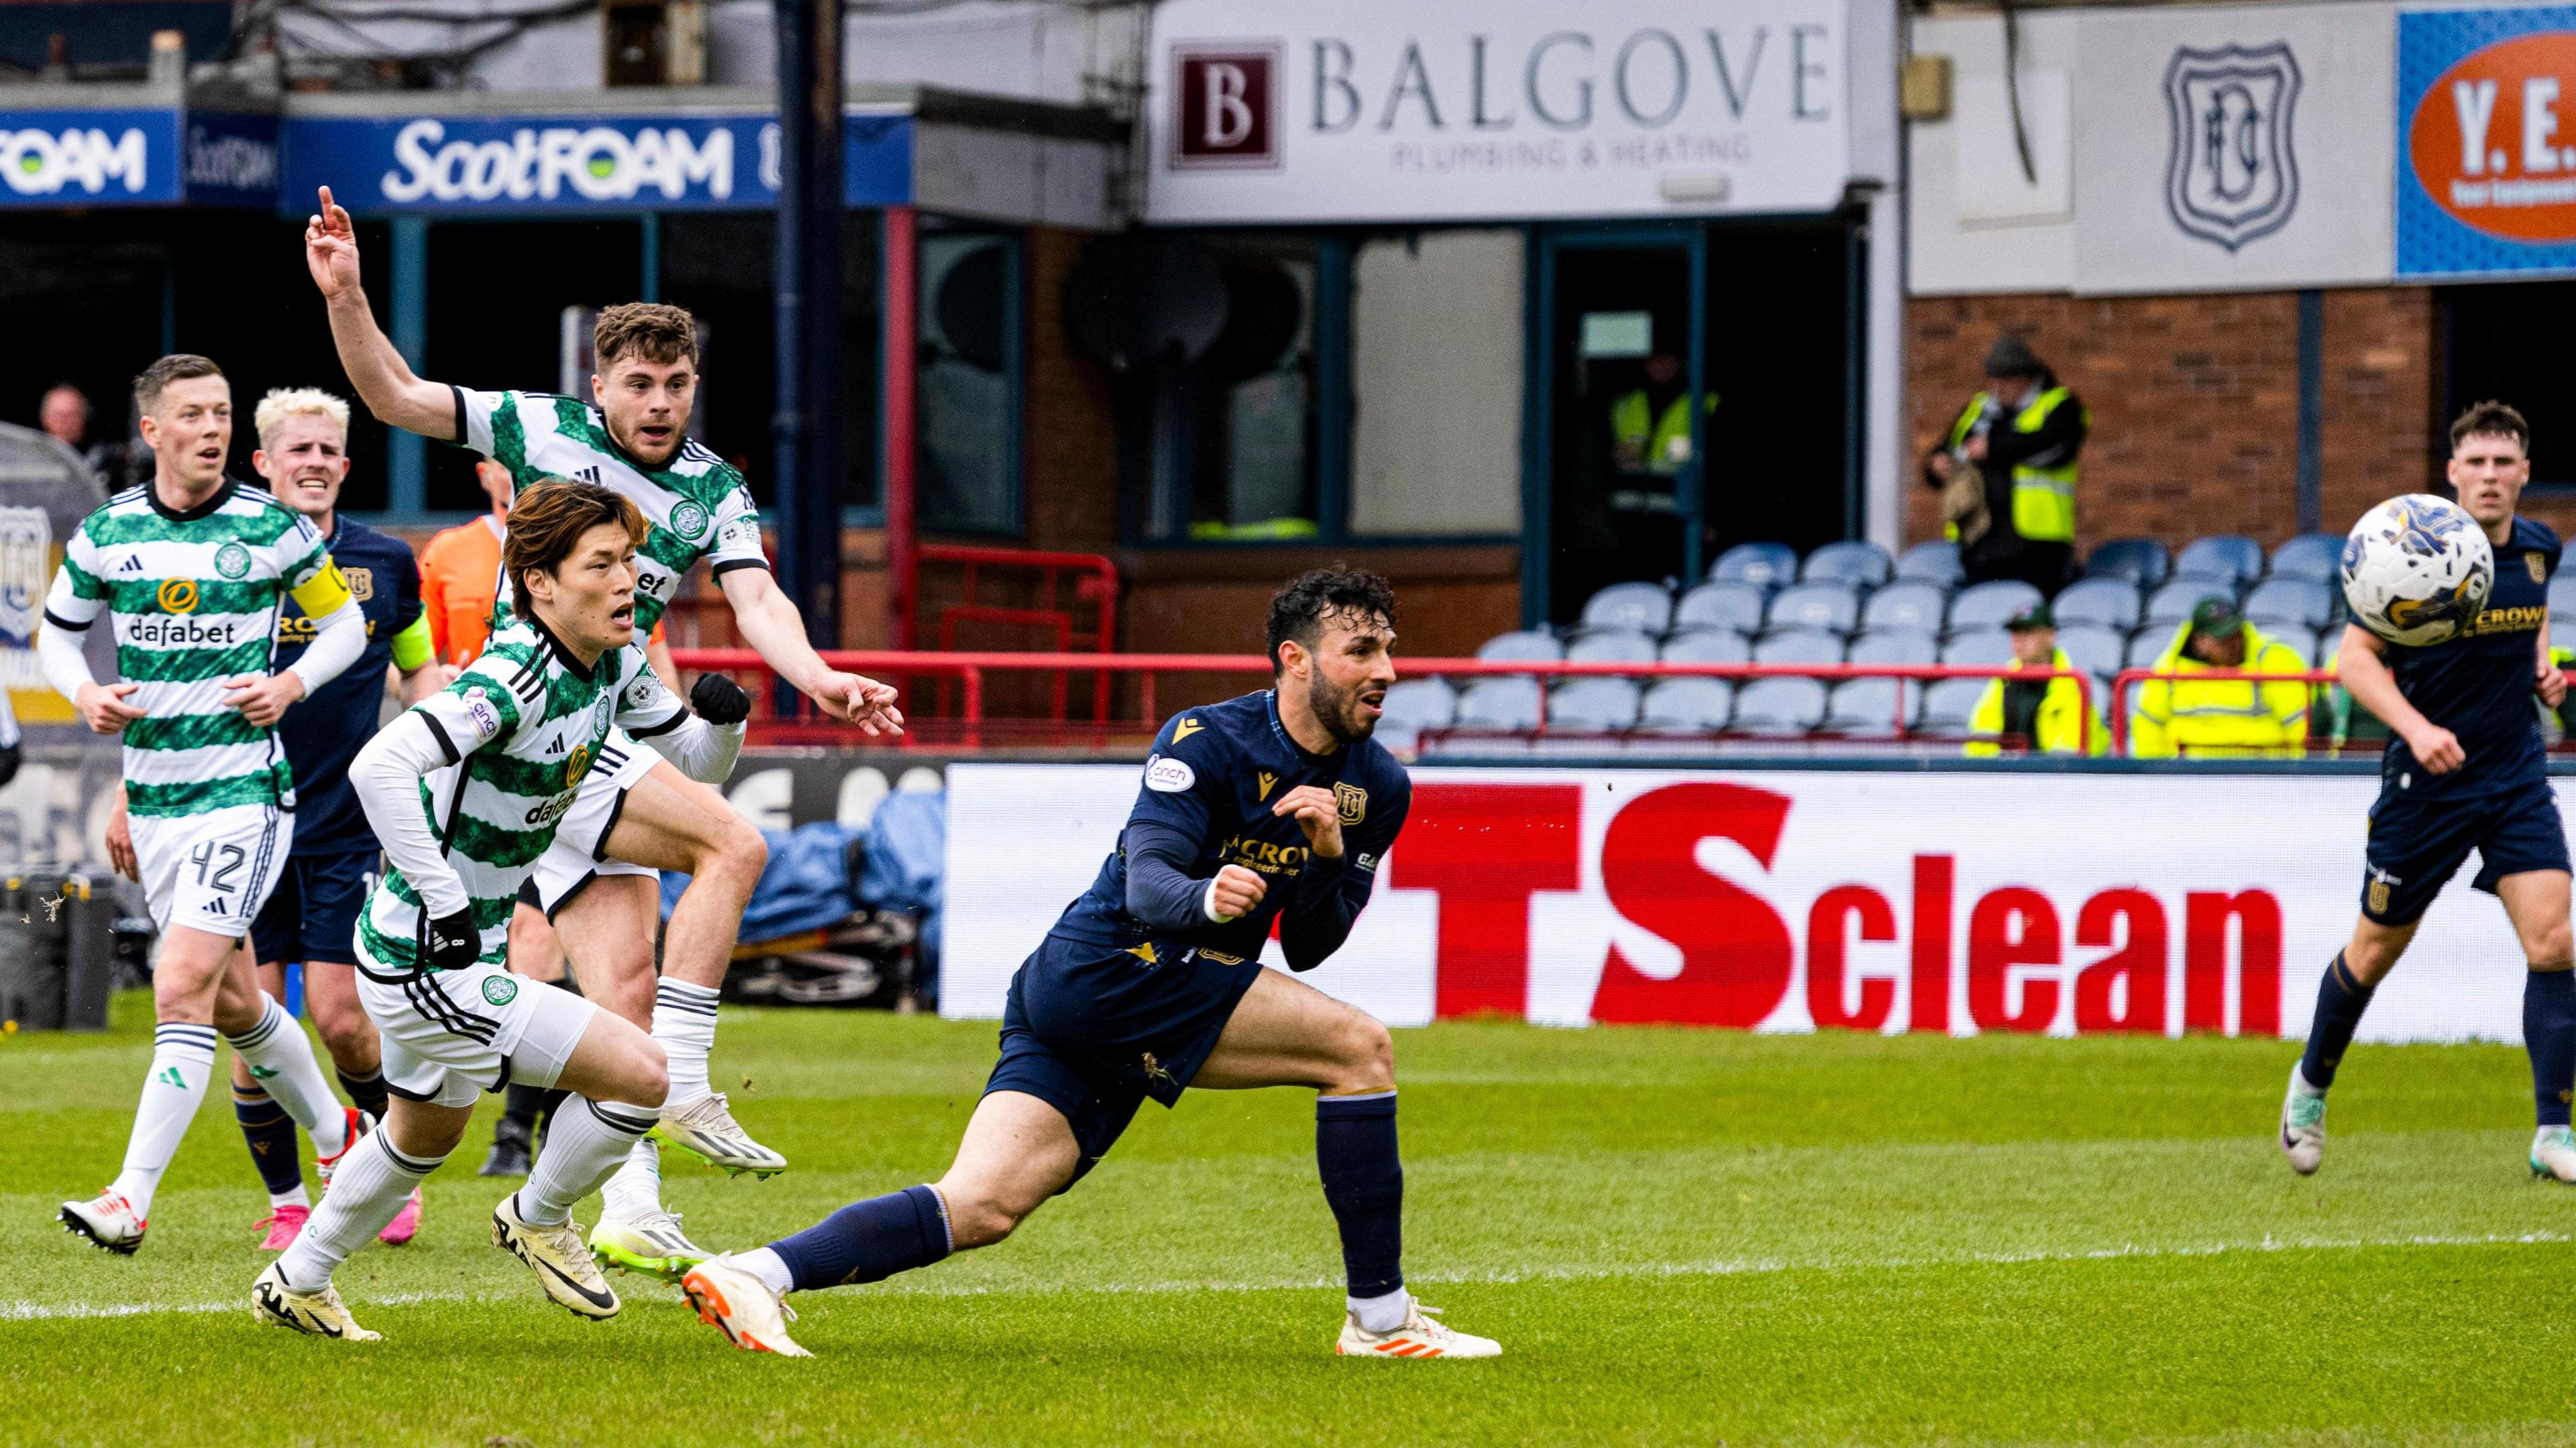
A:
2493	141
178	595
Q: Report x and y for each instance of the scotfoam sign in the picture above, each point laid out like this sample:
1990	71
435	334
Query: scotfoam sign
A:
83	158
1952	903
1357	110
552	163
2487	142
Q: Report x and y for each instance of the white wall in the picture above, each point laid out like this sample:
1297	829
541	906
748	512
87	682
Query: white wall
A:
1973	153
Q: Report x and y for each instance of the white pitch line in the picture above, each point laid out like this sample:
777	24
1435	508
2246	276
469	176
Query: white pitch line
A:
1719	1267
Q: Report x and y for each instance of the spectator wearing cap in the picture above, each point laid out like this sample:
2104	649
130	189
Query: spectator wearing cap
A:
2046	715
2207	708
2006	472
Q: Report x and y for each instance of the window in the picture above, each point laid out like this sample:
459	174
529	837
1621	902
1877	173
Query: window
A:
1233	432
1436	384
969	478
2506	342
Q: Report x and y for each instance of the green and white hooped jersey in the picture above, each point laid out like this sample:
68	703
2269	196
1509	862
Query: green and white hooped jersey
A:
194	597
697	506
523	726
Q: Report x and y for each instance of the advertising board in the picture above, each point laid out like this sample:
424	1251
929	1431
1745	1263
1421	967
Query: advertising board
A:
2486	153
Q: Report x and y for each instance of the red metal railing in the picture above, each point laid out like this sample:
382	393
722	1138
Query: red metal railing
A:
2126	679
1093	580
970	670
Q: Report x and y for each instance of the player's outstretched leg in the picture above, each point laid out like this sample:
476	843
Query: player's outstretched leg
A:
2342	997
270	1134
374	1181
618	1080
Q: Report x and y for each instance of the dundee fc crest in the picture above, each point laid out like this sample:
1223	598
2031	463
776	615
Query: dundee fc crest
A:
2230	175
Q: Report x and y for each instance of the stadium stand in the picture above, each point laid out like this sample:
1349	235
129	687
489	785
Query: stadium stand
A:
1707	646
1764	565
1980	648
1859	563
1907	603
2096	650
1936	563
1724	603
1895	646
2174	602
2314	556
2111	603
2292	605
1527	646
1798	646
1611	646
1833	607
2142	561
2228	557
1593	704
1643	607
1777	707
1505	704
1412	706
1987	605
1686	706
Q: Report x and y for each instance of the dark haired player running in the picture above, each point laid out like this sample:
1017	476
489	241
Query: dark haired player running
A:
2464	770
1276	806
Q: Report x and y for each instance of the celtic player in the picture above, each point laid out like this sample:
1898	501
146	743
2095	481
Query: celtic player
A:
604	904
193	568
466	791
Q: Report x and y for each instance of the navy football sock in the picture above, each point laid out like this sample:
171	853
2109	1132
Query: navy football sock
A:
523	1103
271	1134
869	1241
1364	1185
2340	1002
2549	1034
367	1093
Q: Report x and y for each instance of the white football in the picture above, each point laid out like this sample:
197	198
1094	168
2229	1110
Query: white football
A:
2417	570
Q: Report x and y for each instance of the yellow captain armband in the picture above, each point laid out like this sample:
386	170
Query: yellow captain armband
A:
412	646
321	595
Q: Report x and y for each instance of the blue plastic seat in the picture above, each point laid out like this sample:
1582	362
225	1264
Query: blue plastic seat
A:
1764	565
2301	605
1724	604
2562	593
1830	606
2174	602
2096	650
1948	706
2317	557
2147	645
1412	706
1511	702
2230	556
1780	707
1686	706
1989	604
1522	646
1879	708
1799	646
1858	562
1936	563
1707	646
1611	646
1645	607
1907	603
2142	561
2109	602
1978	648
1593	704
1895	646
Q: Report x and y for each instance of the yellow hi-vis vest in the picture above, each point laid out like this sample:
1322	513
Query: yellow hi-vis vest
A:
2043	499
1663	441
2060	726
2199	718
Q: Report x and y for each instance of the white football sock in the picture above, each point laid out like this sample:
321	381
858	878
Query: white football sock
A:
636	1190
366	1190
295	1198
1382	1313
684	1021
2299	1083
280	1058
183	1066
587	1143
769	1267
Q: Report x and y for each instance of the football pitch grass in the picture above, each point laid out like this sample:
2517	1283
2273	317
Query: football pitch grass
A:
1678	1236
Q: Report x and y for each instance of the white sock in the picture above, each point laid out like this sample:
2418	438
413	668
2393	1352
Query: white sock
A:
295	1198
636	1190
1382	1313
766	1265
2299	1083
183	1066
280	1058
587	1143
366	1190
684	1021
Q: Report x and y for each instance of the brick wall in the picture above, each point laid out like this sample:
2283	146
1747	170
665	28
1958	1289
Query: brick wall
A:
2195	402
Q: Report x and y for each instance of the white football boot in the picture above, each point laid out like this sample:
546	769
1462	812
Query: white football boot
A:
2553	1154
321	1314
1419	1337
2303	1127
559	1258
705	1129
741	1306
107	1220
652	1244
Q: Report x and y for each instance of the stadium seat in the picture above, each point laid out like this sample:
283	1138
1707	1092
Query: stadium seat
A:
1413	705
1686	706
1507	703
1799	646
1869	707
1895	646
1987	605
1611	646
1707	646
2174	602
2109	602
2301	605
1948	706
2094	649
2302	642
1779	706
2562	594
2147	645
1764	565
1645	607
1906	603
1935	563
1727	604
1830	606
1522	646
2142	561
2230	556
1978	648
1859	563
2317	557
1597	705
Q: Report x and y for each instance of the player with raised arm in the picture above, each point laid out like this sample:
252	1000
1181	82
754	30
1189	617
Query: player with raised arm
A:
465	791
1272	808
194	570
2464	769
632	438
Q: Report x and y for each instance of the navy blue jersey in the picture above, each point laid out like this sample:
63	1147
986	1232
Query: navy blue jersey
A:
2479	685
323	732
1206	802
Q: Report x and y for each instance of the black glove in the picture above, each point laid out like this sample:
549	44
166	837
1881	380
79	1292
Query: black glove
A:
454	943
8	762
719	700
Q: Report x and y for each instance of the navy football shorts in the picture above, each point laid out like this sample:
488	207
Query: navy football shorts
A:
1093	1031
2417	844
313	914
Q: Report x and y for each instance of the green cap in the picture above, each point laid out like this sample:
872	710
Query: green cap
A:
2036	615
2216	618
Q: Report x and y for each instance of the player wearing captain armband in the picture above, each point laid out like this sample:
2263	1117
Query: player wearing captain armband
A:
466	791
193	570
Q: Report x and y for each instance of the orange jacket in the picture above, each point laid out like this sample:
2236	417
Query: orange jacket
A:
460	572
